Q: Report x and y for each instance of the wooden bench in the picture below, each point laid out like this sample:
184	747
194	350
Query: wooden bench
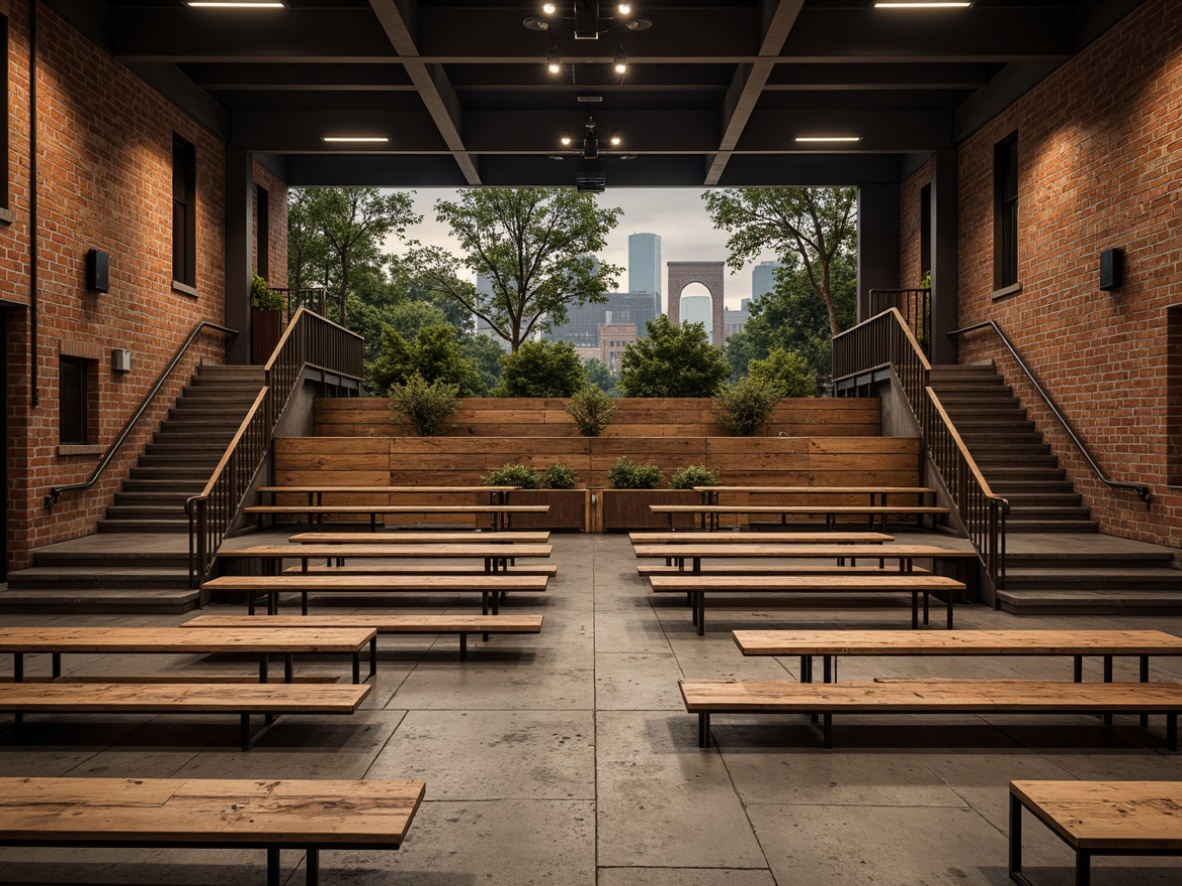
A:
305	814
418	537
490	587
315	494
648	570
709	513
905	555
500	516
743	538
876	495
189	698
706	697
1098	818
698	585
496	557
251	639
386	624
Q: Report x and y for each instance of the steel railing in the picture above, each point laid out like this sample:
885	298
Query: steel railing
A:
916	307
886	340
1141	489
54	495
311	297
310	341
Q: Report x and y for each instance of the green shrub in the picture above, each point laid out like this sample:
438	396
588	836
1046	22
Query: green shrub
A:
262	297
559	476
694	475
513	475
592	411
743	408
626	474
423	406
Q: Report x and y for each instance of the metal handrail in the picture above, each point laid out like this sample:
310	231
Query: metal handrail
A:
308	340
1141	489
886	340
914	304
55	493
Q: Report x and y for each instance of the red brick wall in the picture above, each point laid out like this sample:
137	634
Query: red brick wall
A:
910	260
1100	155
104	172
276	190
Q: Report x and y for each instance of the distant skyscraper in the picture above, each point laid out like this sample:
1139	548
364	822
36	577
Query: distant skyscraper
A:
644	264
763	277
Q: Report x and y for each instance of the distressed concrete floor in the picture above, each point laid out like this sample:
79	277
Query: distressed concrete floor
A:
567	758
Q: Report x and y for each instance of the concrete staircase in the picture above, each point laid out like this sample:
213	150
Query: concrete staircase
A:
1057	560
138	560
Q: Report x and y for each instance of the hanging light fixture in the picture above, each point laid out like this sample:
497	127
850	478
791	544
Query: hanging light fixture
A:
566	139
621	63
616	140
553	59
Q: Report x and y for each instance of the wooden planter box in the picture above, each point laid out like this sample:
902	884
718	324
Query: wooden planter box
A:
622	510
570	509
266	328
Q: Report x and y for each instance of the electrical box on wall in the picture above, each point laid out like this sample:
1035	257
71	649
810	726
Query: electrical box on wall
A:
1112	262
98	267
121	360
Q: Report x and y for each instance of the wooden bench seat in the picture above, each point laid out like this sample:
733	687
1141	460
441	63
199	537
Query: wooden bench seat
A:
763	538
419	537
182	698
386	624
250	639
490	587
1098	818
423	569
904	555
495	557
648	570
705	697
697	587
500	516
305	814
710	513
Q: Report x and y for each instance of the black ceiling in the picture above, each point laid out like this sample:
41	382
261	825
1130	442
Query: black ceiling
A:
715	93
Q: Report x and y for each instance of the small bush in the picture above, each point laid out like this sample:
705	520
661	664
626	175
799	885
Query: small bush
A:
592	411
423	406
626	474
694	475
513	475
743	408
262	297
559	476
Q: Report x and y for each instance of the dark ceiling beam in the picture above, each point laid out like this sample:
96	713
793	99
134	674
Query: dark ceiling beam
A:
431	80
870	77
303	78
749	80
368	170
171	82
880	131
303	131
811	170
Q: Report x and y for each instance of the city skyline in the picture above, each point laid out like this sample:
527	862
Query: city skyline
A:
677	215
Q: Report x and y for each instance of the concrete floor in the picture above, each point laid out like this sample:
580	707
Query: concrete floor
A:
567	758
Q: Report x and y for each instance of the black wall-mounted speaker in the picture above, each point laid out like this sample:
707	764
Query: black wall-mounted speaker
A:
98	271
1112	269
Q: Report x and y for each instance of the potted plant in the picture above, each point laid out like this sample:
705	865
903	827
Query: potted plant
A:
266	319
625	506
556	487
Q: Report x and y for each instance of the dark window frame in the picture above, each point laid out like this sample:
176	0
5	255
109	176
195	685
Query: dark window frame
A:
262	237
184	213
5	94
75	389
1005	213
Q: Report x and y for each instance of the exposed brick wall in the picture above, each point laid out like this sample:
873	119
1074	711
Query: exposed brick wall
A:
276	190
910	258
105	182
1100	154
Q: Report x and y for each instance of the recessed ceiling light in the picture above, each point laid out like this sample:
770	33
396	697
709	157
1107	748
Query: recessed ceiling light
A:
240	4
828	138
378	139
919	4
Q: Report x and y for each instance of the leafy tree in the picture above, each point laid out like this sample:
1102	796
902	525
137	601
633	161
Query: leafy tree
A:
599	374
592	411
808	228
422	405
541	369
535	246
434	354
745	407
786	371
485	355
673	361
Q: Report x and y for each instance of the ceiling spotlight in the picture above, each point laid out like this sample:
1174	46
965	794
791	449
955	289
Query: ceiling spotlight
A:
625	8
829	139
553	60
621	65
549	8
566	139
357	139
229	4
615	140
917	4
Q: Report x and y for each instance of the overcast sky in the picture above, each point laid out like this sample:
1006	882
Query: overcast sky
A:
678	215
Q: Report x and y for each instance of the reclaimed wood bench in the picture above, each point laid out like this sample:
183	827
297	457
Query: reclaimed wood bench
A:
500	516
496	557
304	814
835	495
742	538
315	494
706	697
419	537
386	624
490	587
904	555
245	699
697	587
1098	818
708	514
648	570
250	639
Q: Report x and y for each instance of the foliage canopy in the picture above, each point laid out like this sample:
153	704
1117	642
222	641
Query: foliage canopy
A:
673	361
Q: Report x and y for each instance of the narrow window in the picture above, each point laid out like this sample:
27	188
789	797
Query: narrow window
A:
4	184
74	400
262	236
184	212
925	230
1174	395
1005	213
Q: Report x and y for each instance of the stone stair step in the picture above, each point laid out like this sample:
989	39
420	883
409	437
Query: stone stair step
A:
67	602
1017	459
1093	578
134	556
1076	559
985	423
1020	525
1012	447
1040	499
170	498
1022	486
1020	473
1023	511
196	462
171	472
106	577
144	512
165	484
1090	602
184	448
157	526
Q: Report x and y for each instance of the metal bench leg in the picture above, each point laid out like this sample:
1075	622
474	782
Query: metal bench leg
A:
245	735
703	730
1108	679
1083	868
1078	670
57	665
1016	842
1172	732
313	865
827	729
272	867
701	613
356	667
373	656
914	610
264	661
303	602
464	646
951	600
925	609
1144	679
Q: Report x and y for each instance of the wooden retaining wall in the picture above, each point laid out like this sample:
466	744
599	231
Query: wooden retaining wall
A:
638	417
